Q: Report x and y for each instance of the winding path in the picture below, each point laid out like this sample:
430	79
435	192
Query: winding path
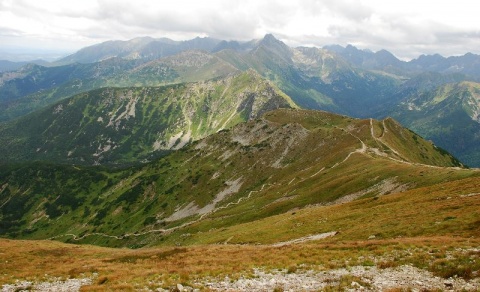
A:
362	150
164	231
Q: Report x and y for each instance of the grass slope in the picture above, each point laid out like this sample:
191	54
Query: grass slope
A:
433	228
288	159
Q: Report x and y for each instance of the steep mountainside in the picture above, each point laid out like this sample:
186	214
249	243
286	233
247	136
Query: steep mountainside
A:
34	86
119	125
316	78
448	115
285	160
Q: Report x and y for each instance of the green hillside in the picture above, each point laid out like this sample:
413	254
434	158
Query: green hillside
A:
448	115
34	87
288	159
127	125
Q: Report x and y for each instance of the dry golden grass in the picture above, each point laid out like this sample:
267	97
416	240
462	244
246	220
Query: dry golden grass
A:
434	228
123	269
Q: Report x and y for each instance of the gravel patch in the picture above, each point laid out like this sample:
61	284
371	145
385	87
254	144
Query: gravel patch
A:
53	286
358	278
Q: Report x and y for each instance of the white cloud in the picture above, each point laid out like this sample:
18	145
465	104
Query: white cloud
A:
406	28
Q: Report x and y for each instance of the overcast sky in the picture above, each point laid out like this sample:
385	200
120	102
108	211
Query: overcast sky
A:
406	28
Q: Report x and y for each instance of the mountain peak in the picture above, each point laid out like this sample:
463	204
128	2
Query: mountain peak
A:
386	56
141	39
275	45
270	40
270	37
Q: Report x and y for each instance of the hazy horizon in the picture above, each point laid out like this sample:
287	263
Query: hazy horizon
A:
407	29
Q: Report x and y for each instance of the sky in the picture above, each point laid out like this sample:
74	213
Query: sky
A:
54	28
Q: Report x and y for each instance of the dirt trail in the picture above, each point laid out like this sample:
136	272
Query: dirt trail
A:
163	230
363	150
380	140
404	160
306	238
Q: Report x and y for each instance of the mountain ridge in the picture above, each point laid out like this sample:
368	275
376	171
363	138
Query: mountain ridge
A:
287	159
119	125
138	48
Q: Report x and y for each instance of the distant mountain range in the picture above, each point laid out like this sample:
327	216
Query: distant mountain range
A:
6	66
147	48
344	80
385	61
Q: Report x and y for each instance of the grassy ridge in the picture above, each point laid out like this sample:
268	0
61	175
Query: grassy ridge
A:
289	159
